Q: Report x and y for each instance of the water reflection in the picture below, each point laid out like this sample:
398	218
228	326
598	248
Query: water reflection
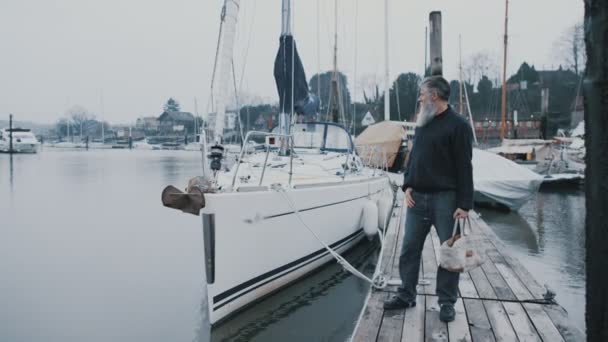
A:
10	163
514	229
328	300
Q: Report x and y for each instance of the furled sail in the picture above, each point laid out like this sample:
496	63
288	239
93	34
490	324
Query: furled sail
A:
288	72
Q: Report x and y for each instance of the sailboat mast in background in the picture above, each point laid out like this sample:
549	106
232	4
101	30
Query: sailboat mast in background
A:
387	97
336	105
503	108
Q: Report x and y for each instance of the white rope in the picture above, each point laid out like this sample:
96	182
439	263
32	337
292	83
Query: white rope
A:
378	280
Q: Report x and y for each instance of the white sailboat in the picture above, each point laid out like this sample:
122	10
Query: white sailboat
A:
268	220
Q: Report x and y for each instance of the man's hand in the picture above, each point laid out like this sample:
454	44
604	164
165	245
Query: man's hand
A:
409	201
461	213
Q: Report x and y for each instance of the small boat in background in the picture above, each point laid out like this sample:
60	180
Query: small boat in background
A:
501	182
24	141
525	152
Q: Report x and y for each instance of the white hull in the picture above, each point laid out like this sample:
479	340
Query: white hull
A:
254	243
20	147
24	141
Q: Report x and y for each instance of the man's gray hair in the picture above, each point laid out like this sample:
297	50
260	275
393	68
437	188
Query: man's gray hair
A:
439	85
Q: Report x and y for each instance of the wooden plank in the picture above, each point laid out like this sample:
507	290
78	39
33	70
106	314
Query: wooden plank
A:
458	330
390	246
519	289
369	323
413	325
524	329
544	326
481	330
484	289
392	322
435	330
392	326
501	288
559	316
499	320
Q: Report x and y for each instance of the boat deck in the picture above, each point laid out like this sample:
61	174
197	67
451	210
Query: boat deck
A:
499	301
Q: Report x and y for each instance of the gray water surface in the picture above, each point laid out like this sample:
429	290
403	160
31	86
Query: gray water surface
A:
88	253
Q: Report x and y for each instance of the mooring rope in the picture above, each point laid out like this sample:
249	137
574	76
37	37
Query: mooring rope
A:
378	280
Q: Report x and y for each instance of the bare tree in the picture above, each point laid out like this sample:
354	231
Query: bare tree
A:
570	48
79	116
480	64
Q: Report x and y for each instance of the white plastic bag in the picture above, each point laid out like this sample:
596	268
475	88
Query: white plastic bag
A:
462	252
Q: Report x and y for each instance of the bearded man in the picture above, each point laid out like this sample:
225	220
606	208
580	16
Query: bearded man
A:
438	186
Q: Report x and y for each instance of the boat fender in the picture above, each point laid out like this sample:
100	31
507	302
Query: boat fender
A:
384	207
370	218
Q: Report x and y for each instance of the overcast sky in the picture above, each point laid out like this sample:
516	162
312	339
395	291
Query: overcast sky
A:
132	55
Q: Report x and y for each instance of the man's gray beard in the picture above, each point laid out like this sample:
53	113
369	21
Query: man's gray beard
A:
427	113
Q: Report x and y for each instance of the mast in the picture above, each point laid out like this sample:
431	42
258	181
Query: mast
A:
460	67
354	114
336	104
387	97
503	107
283	115
195	118
229	15
103	135
318	53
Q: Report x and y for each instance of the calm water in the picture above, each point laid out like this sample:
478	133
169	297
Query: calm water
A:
87	252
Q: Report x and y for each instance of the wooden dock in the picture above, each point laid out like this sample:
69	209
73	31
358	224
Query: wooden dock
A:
498	301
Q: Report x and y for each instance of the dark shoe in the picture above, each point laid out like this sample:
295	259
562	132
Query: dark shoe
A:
447	313
398	303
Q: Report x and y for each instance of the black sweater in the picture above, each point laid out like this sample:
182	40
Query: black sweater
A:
441	158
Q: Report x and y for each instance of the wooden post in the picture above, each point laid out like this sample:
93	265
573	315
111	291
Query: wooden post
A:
10	133
435	43
596	173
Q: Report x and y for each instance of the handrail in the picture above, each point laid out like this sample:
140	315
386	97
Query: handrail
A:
265	134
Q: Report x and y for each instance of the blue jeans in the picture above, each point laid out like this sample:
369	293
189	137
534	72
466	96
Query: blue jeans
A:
436	208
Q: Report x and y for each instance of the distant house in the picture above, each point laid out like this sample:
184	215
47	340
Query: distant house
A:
170	122
147	124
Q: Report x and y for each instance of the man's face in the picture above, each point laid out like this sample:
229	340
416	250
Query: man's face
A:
428	109
426	97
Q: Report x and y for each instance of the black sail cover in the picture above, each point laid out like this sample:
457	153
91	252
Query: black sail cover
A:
304	102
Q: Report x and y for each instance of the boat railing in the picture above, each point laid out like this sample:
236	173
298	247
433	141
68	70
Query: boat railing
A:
265	134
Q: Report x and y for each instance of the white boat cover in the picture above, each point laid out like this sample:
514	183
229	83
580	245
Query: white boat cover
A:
498	179
502	180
